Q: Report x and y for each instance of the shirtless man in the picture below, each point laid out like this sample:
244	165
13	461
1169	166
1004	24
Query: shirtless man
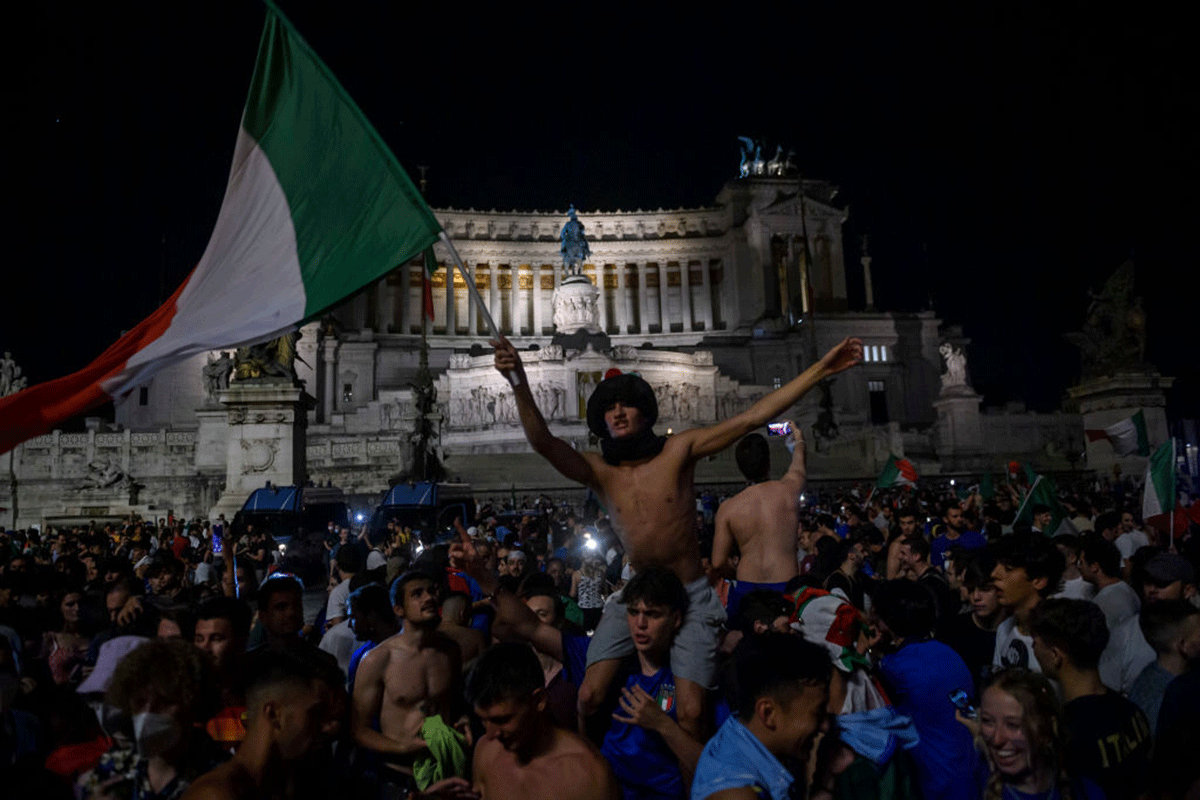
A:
455	624
647	484
523	754
762	520
409	681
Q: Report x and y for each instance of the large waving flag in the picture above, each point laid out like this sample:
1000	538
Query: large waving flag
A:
316	208
897	472
1158	497
1128	436
1044	492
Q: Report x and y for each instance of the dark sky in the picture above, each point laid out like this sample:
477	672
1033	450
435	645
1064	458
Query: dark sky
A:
1003	158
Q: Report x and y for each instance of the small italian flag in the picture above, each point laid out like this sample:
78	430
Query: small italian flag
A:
897	472
1127	437
316	208
1158	499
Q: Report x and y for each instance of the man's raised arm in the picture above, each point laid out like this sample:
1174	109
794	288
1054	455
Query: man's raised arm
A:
797	473
715	438
564	458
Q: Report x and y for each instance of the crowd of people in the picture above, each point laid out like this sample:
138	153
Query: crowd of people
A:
651	642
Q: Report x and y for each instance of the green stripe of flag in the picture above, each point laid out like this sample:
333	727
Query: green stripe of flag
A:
356	213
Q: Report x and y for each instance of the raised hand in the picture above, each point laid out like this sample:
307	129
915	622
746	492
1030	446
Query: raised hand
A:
508	361
844	355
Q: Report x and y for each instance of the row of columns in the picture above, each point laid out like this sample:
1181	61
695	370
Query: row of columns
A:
625	321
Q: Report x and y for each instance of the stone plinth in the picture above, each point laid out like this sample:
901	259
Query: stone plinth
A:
959	429
575	306
1110	399
266	422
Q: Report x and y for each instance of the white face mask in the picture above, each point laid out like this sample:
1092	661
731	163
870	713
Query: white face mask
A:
154	734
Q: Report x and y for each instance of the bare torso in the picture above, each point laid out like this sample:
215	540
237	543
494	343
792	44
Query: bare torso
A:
653	509
417	683
763	520
570	770
471	642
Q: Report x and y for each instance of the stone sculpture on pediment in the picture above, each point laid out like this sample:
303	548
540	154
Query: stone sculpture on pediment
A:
956	365
103	474
216	373
551	352
775	165
460	361
625	352
1113	338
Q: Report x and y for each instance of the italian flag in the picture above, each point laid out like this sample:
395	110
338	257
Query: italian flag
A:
1127	437
897	472
1158	499
1044	492
316	208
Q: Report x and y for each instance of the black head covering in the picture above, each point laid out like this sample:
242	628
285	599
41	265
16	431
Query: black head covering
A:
629	389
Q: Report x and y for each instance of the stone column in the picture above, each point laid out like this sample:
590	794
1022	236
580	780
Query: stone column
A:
472	316
622	312
643	298
601	301
514	294
685	294
706	315
329	358
870	290
536	269
383	305
451	323
664	316
405	298
494	295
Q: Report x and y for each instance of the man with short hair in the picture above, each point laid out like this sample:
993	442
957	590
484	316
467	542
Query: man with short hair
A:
222	630
347	563
1131	536
1108	738
783	692
1100	565
289	718
914	556
647	484
956	533
1172	627
523	754
1042	515
281	612
973	635
760	520
1075	586
1028	569
372	620
411	683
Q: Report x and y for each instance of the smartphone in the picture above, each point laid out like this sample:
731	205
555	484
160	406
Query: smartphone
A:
962	701
778	429
217	547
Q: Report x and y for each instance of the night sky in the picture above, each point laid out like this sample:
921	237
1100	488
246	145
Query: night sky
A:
1003	159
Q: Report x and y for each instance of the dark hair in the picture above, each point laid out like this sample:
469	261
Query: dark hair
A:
656	586
948	505
272	666
278	585
753	457
1040	508
230	608
906	511
826	521
977	569
183	617
1160	622
868	534
397	591
760	605
1036	554
1077	627
372	598
1107	520
918	546
1103	553
906	607
779	666
1071	541
505	671
350	559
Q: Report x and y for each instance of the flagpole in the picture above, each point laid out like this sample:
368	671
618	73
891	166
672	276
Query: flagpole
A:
513	378
1173	501
1027	496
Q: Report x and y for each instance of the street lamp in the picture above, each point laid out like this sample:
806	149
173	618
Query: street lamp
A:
11	382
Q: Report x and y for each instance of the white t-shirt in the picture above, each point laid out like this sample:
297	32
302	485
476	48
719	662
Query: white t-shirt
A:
1126	655
1119	602
1128	543
204	573
340	642
1077	589
375	560
336	605
1013	648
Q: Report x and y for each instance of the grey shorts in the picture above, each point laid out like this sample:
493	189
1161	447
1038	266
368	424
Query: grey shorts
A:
694	651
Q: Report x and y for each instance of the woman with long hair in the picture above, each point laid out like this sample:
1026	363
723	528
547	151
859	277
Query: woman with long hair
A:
1021	734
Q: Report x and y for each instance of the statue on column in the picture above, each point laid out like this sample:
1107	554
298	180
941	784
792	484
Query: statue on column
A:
574	248
1113	338
216	374
956	365
275	359
11	379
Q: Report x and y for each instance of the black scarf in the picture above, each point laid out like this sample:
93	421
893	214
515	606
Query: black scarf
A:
643	444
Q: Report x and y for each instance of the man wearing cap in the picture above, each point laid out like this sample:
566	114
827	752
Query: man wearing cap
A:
646	483
1168	576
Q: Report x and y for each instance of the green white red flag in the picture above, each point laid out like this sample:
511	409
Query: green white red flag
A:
1158	498
1128	437
897	472
316	208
